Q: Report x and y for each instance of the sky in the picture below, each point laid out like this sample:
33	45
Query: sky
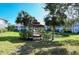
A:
9	11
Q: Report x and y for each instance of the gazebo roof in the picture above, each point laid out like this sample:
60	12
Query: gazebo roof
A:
37	24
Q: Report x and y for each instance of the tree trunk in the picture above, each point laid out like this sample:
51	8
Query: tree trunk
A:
53	32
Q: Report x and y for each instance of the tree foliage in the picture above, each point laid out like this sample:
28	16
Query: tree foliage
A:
24	18
56	16
11	28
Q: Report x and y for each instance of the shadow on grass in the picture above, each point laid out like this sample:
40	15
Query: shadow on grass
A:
54	51
12	39
32	45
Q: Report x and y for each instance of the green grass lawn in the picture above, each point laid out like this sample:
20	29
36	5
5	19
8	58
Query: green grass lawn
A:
70	37
9	43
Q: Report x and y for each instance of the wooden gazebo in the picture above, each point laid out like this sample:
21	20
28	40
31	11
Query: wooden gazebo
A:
37	26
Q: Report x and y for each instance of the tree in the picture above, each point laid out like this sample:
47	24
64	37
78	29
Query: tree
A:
73	13
11	28
25	19
56	15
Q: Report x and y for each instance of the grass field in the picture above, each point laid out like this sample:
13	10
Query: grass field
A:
9	43
70	37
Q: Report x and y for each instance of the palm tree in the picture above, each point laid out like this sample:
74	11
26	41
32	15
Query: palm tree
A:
56	15
22	18
18	19
26	20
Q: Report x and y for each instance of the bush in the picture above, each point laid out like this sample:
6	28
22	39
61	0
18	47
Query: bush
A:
65	34
67	31
74	53
26	34
46	35
16	30
11	28
59	51
23	34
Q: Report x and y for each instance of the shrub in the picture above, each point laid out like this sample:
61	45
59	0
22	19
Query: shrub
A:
23	34
11	28
46	35
16	30
67	31
74	53
59	51
65	34
26	34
